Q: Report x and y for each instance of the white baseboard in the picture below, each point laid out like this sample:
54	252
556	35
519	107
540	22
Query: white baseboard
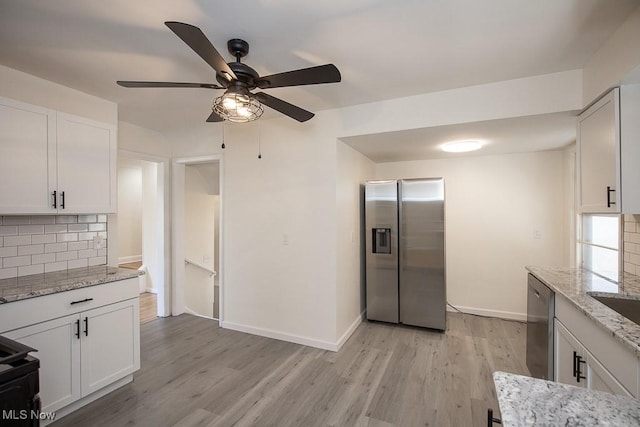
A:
311	342
128	259
347	334
193	313
508	315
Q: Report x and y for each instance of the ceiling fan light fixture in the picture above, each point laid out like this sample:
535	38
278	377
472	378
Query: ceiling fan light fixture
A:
237	107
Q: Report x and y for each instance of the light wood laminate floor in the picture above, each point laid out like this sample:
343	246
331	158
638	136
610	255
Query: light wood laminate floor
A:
197	374
148	307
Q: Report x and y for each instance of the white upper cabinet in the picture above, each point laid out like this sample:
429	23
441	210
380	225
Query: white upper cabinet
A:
86	165
27	157
52	162
609	153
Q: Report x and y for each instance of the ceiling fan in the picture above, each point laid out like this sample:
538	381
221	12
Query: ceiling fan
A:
238	103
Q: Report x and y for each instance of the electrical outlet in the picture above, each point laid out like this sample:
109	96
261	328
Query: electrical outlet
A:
285	239
537	234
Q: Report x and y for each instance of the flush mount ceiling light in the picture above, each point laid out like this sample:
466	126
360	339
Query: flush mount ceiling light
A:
461	146
237	105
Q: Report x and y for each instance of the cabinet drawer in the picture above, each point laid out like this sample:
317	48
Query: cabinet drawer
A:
30	311
618	360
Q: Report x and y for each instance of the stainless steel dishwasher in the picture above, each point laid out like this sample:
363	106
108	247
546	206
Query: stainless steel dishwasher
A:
540	313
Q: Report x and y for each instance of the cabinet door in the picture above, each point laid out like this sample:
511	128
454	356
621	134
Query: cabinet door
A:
600	379
566	347
599	148
110	344
86	165
59	354
27	158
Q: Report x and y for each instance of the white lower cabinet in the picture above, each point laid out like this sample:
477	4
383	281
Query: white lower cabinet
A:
109	339
569	356
87	339
59	354
585	356
82	353
600	379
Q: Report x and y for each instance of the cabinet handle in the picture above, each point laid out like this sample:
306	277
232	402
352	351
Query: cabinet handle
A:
86	326
82	300
491	419
55	199
62	199
575	364
78	328
609	202
579	375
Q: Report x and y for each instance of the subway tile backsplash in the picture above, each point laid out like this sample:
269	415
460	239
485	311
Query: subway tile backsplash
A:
41	244
631	244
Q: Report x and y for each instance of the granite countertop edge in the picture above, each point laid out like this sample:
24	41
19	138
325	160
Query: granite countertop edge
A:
26	287
613	323
527	401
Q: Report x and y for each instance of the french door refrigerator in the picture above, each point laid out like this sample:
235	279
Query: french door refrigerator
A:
405	252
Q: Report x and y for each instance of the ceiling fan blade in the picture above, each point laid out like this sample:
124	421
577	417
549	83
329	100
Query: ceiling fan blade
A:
328	73
196	40
213	118
126	83
284	107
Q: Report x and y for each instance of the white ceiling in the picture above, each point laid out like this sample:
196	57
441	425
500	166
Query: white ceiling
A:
384	49
515	135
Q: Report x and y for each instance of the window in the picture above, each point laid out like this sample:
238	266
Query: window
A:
599	244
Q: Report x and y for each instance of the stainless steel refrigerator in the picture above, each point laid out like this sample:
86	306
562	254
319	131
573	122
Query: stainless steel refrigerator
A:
405	252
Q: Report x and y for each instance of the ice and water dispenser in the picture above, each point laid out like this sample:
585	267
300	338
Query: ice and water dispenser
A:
381	240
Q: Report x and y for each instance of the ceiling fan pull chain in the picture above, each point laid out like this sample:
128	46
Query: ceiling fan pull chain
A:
259	140
223	146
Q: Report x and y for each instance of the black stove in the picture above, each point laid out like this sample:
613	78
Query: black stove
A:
19	401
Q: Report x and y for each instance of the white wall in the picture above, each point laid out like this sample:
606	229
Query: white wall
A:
616	58
353	169
27	88
527	96
569	202
295	291
129	210
494	206
279	227
153	147
141	140
200	237
151	222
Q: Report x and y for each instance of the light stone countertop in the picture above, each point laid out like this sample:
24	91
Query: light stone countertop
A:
577	285
19	288
526	401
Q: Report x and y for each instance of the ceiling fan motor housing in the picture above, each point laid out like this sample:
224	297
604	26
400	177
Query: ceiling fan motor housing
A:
245	76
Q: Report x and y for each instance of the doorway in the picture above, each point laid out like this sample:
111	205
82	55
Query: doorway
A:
197	236
141	228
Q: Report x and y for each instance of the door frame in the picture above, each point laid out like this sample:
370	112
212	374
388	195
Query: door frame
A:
162	228
178	230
